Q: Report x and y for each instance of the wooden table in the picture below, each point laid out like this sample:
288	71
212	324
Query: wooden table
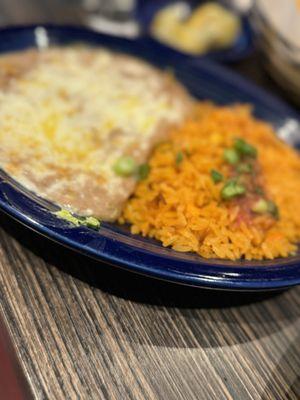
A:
83	330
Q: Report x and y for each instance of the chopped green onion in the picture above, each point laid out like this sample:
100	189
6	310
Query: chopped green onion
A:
125	166
260	206
143	171
67	216
216	176
273	209
244	168
179	158
259	190
231	156
244	148
232	189
91	222
265	206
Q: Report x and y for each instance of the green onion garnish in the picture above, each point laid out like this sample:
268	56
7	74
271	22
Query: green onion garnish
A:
179	158
260	206
244	148
232	189
67	216
90	222
143	171
273	209
125	166
263	206
231	156
244	168
259	190
216	176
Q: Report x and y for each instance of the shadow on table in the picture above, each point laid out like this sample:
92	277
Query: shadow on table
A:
215	318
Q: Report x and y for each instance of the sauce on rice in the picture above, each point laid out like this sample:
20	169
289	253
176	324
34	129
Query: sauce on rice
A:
181	205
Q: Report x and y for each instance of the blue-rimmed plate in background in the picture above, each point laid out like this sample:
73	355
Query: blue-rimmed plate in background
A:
146	10
114	244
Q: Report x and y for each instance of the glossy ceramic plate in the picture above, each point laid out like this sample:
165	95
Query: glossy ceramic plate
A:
241	48
114	244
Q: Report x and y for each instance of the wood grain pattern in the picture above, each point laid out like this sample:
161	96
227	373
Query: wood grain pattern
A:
85	330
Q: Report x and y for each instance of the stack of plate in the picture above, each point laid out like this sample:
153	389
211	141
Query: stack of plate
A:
281	55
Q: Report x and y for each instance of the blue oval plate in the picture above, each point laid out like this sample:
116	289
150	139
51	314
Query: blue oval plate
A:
114	244
241	48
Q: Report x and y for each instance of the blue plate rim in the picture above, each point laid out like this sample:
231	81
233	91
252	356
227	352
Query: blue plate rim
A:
269	277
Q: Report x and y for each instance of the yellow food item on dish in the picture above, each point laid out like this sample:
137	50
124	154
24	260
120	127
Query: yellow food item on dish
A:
182	202
68	114
209	26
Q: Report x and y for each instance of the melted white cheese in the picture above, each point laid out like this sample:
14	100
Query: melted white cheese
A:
67	110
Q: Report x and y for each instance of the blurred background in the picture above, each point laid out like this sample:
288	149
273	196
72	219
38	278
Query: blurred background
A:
254	37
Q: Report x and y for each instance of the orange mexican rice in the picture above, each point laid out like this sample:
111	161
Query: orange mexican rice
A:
223	186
